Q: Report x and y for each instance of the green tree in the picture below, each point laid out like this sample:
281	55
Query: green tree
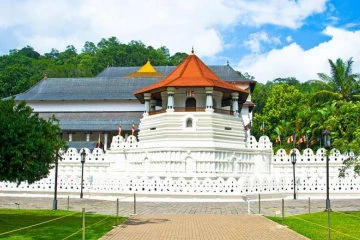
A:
89	47
29	144
245	75
289	80
260	95
177	58
15	71
29	52
282	106
343	123
341	85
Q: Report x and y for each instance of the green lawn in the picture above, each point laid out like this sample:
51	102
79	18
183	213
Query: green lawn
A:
343	225
14	224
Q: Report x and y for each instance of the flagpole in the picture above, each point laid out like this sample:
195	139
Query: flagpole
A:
307	140
294	139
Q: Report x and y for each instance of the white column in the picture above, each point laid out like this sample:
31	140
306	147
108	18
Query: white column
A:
88	137
209	99
147	97
170	105
70	137
235	104
152	105
105	141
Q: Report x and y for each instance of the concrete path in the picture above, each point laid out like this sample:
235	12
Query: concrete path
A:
127	208
204	227
190	220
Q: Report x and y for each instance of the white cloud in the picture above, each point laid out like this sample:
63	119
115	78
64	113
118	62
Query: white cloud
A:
279	12
256	39
179	25
293	61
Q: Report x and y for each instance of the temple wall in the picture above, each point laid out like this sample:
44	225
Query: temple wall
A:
252	170
208	130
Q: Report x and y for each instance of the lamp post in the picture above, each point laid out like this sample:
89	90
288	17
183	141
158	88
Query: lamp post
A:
59	155
83	155
293	161
327	145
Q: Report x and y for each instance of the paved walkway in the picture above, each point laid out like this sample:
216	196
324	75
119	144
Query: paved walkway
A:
204	227
127	208
189	220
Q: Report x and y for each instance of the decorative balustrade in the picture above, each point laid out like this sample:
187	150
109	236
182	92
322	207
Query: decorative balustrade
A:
264	143
210	173
192	109
179	185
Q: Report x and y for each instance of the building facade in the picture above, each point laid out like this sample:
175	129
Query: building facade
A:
170	131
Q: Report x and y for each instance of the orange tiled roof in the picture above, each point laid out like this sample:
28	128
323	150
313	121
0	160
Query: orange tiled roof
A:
192	72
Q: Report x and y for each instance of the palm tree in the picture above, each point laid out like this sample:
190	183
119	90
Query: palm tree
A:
341	85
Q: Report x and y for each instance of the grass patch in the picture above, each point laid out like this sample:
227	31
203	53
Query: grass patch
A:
343	225
59	224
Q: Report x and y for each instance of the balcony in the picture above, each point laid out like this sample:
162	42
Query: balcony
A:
193	109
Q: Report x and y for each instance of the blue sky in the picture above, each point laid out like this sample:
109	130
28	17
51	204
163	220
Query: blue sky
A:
266	38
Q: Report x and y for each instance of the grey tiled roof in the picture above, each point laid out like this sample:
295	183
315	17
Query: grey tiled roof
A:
224	72
124	71
111	84
82	144
105	121
96	88
93	125
227	73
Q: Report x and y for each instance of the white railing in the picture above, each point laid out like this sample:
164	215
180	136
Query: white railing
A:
212	173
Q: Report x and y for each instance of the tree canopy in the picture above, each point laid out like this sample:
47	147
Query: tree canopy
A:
29	144
304	110
21	69
341	85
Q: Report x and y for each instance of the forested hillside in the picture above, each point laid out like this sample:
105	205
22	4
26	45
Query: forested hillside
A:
20	69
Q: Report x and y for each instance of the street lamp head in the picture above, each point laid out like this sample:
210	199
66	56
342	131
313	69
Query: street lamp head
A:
83	155
326	136
293	157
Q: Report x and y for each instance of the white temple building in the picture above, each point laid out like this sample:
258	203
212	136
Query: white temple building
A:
192	138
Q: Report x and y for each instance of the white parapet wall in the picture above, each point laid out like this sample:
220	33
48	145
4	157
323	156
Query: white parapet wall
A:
127	168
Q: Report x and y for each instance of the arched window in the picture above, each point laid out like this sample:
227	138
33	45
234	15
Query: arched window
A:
190	104
189	123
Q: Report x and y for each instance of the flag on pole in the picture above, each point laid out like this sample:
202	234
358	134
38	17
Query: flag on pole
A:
133	129
120	127
290	139
301	140
262	128
313	142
